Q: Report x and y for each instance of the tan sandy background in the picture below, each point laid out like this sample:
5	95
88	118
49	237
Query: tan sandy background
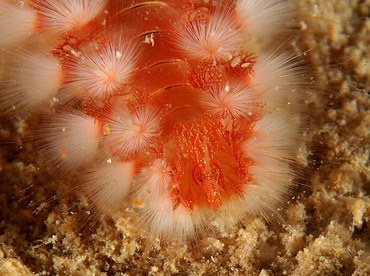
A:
45	229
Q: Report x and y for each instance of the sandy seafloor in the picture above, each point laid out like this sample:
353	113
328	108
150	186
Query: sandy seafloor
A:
324	230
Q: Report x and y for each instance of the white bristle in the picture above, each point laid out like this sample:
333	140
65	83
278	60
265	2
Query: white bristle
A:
127	133
157	215
153	181
157	209
108	184
17	22
271	148
273	140
263	19
185	223
261	197
71	139
31	79
276	76
60	17
268	189
101	72
213	40
237	101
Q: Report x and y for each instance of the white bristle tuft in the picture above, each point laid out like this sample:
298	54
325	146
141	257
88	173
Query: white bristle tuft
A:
108	184
236	101
157	206
185	223
215	39
61	17
31	79
263	19
153	181
157	215
273	140
17	23
101	72
71	139
268	189
127	133
271	149
276	77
